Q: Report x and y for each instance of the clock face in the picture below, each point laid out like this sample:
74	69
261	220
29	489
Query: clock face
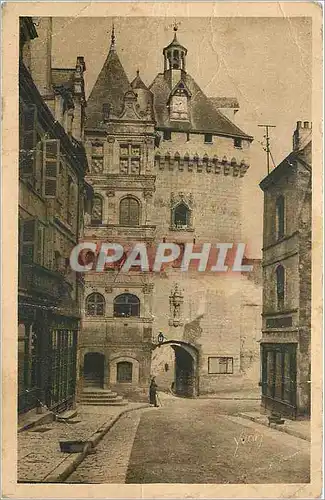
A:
179	104
179	108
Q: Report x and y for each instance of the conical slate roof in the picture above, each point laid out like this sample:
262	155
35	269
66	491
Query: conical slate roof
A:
110	87
175	44
137	83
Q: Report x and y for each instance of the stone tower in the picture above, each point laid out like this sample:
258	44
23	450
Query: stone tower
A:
166	164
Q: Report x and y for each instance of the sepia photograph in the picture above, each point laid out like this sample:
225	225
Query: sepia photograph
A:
165	225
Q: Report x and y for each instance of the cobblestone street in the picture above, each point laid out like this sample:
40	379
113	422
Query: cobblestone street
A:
110	461
195	441
38	449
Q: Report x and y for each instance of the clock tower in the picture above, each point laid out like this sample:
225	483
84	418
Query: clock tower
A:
175	73
174	60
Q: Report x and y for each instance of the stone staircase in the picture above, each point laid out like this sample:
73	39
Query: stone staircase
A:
101	397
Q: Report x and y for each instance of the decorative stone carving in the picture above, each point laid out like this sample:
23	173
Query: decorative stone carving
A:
108	289
129	112
148	288
147	194
110	193
176	300
176	198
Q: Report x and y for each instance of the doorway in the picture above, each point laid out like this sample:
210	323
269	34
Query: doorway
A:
94	369
184	373
175	366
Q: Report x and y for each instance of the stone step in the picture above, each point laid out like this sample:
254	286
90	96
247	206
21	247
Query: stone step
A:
104	403
100	394
101	400
66	415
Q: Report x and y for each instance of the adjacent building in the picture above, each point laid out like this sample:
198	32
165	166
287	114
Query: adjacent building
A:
167	164
52	199
286	332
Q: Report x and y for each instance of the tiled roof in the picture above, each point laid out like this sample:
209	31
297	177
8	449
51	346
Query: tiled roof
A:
204	116
224	102
110	87
63	77
303	156
175	44
137	83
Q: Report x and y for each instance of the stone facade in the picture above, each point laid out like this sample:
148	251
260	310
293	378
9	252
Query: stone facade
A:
52	200
287	280
166	165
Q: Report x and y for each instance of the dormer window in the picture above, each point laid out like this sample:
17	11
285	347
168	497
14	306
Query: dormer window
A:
238	142
178	109
208	138
167	135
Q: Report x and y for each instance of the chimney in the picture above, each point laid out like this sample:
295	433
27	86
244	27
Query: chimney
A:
41	49
302	135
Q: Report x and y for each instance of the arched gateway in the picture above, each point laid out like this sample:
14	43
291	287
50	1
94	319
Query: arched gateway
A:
185	370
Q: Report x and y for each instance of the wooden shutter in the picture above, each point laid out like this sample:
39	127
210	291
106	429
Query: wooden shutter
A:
28	139
51	160
40	244
28	240
39	165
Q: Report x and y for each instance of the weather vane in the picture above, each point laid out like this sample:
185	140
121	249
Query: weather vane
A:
175	25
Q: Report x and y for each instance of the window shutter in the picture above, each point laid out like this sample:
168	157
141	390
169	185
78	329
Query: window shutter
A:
28	139
51	160
28	242
40	244
39	165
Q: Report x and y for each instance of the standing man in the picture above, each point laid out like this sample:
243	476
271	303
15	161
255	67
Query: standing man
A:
153	392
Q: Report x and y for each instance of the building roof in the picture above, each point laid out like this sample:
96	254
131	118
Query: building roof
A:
303	156
204	116
137	83
110	87
73	149
224	102
63	77
27	29
175	44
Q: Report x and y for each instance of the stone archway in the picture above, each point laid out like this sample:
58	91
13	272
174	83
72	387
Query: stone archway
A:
184	376
93	369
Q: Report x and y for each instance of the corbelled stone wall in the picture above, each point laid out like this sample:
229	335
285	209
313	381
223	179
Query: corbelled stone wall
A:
220	313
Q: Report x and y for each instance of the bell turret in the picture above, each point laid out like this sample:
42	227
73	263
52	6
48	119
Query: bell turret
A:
175	59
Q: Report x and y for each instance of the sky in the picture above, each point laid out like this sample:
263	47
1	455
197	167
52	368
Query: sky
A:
264	62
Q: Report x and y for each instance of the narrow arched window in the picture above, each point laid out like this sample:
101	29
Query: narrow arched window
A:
129	212
95	305
280	217
124	371
280	286
181	216
97	211
126	305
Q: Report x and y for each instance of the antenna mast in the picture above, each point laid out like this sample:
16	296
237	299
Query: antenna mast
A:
267	148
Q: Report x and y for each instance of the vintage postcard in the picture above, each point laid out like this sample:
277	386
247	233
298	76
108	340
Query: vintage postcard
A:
162	217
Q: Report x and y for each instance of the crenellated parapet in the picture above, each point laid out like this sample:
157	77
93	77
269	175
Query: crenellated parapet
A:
205	163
